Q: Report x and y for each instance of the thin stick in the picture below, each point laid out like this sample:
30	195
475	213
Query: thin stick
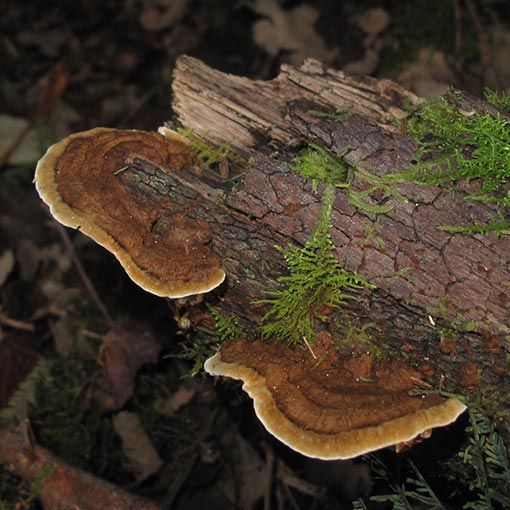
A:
309	347
13	323
83	274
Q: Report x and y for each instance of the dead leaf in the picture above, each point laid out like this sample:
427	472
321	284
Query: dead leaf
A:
293	31
125	349
372	22
12	129
429	75
27	257
51	87
143	458
247	482
159	14
180	398
64	336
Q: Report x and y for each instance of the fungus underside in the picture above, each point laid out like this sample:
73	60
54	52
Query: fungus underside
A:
315	281
471	147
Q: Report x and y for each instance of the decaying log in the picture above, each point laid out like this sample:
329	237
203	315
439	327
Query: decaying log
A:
65	486
425	278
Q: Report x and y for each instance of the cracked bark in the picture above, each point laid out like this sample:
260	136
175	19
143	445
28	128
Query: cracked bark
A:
426	279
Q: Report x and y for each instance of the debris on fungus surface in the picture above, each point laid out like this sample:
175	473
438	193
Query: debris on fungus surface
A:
163	251
327	407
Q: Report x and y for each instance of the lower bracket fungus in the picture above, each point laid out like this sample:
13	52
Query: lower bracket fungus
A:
328	407
161	248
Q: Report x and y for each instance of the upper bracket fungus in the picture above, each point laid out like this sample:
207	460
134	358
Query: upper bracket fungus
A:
331	408
162	249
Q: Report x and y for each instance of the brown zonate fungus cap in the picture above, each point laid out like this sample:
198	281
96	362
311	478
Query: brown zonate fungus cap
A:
163	250
327	407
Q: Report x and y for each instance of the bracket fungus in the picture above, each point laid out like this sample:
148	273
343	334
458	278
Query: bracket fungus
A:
83	179
331	408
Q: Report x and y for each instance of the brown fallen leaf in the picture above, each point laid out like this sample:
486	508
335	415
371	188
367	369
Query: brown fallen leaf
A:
174	402
249	484
143	458
293	31
162	14
126	348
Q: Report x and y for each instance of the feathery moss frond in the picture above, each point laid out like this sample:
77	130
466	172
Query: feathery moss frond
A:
488	455
26	394
476	147
315	280
226	328
320	165
208	154
415	490
499	99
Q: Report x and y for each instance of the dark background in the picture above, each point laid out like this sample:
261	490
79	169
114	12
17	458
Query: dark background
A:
67	66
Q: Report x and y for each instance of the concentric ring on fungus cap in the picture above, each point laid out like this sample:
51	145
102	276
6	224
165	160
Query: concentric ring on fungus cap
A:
325	410
164	251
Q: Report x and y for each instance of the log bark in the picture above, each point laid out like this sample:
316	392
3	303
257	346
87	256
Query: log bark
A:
65	486
426	279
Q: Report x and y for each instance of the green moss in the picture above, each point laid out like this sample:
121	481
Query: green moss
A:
200	346
226	328
208	154
359	337
320	165
315	280
71	425
454	324
16	494
472	147
500	99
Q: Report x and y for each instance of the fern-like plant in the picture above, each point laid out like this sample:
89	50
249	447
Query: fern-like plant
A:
487	453
26	395
226	328
488	457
